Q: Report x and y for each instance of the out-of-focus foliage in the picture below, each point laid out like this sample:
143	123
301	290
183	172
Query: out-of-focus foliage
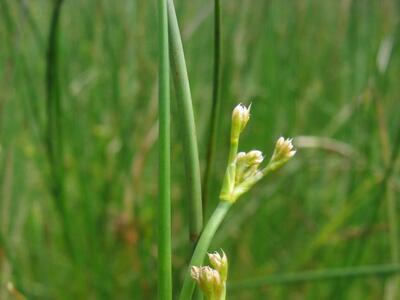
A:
328	70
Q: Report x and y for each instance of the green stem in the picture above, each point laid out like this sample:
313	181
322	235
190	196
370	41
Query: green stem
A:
223	295
215	102
233	150
228	183
54	131
187	124
164	202
364	271
202	247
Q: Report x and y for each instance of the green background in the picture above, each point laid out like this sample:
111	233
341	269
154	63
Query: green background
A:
324	72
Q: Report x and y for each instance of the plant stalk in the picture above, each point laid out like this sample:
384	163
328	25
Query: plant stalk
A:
164	201
202	247
215	103
54	132
187	125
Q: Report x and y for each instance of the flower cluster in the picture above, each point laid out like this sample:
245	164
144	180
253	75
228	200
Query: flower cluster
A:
243	168
212	280
282	153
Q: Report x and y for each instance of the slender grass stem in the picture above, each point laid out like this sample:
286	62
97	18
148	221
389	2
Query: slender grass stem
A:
377	270
215	104
187	124
54	141
164	201
202	247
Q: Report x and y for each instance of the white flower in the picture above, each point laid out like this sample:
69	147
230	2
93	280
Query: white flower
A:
240	117
220	263
283	150
247	165
209	281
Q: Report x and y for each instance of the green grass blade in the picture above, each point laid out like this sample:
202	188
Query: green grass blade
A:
54	133
164	202
215	103
188	128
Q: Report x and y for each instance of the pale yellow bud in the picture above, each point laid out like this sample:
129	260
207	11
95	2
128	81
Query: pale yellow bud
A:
240	117
195	273
282	153
240	157
283	150
246	184
206	279
247	165
254	157
209	281
220	263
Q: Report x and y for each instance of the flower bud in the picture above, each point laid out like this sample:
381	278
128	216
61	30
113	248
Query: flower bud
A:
282	153
195	273
254	157
247	165
283	150
220	263
240	117
241	156
209	281
246	184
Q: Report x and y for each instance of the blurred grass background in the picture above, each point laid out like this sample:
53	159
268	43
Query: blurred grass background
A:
327	71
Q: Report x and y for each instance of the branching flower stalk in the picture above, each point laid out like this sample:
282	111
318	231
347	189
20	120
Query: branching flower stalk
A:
242	172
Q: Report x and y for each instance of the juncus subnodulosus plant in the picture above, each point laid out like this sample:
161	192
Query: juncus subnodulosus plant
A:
242	173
